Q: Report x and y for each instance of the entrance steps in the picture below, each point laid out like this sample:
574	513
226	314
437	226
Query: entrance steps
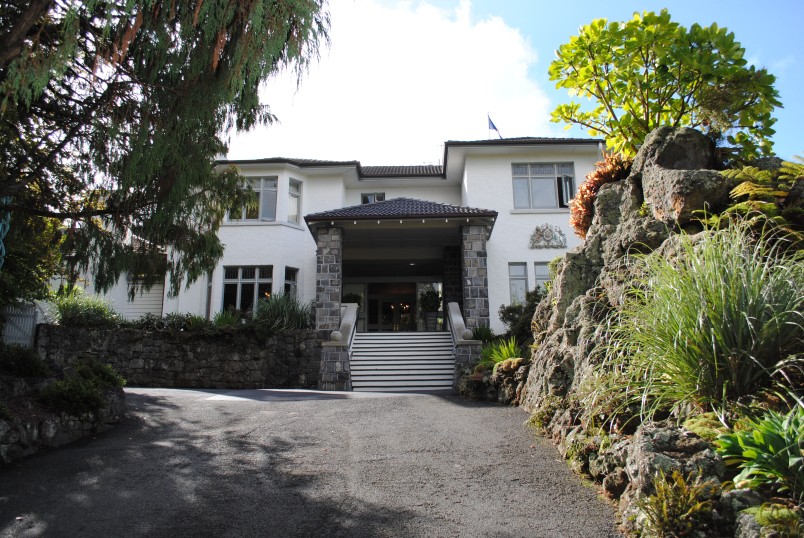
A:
402	361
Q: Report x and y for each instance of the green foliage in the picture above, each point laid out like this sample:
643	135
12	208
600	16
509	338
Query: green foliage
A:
552	271
705	425
769	194
82	390
227	318
32	259
649	72
355	298
112	115
721	321
769	452
778	520
517	317
542	415
493	353
613	168
483	333
21	362
79	310
282	312
679	506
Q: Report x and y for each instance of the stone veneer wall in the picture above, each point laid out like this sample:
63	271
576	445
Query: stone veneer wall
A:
329	278
475	276
185	359
453	289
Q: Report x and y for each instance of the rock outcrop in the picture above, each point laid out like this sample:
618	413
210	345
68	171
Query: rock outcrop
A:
672	179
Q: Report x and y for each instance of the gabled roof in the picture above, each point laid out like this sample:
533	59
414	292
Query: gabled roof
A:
399	208
417	171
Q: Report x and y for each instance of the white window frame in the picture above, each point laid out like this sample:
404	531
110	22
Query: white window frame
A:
294	201
262	275
371	197
291	281
517	280
532	176
541	272
266	189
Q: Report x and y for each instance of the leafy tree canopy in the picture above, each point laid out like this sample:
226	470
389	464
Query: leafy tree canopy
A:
650	71
112	113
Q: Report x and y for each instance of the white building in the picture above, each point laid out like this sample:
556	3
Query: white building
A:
403	229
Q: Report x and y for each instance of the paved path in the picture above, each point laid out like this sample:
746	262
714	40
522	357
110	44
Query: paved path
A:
301	463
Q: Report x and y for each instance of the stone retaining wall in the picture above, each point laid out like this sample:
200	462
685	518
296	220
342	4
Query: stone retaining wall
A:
148	358
31	428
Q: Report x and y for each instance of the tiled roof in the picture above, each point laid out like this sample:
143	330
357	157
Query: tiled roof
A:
523	140
296	162
400	208
402	171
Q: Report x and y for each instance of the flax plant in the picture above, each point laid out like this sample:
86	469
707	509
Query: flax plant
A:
720	321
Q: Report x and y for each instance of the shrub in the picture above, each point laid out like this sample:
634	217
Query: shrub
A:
79	310
679	506
483	333
494	353
227	318
81	391
282	313
722	321
769	452
517	317
613	167
21	362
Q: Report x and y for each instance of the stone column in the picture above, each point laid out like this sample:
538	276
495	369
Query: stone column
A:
328	278
475	276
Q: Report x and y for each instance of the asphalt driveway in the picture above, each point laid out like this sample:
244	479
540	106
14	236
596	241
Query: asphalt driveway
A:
301	463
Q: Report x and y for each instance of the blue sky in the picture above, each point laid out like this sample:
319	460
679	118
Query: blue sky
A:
401	77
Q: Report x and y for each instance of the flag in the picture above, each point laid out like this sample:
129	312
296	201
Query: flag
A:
491	125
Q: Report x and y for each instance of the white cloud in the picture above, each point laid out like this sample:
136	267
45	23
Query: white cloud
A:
398	80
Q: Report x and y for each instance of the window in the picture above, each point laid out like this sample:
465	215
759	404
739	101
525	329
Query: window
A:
371	197
294	201
542	274
518	282
543	185
243	286
265	210
291	278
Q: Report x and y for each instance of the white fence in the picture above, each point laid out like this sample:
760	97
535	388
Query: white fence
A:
20	325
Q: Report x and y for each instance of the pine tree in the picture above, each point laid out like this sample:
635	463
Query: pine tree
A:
112	114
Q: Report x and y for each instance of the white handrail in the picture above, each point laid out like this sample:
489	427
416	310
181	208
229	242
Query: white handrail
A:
461	335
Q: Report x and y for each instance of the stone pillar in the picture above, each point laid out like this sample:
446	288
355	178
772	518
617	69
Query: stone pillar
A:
328	278
475	276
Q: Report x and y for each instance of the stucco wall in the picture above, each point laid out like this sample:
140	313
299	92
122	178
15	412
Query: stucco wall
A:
488	185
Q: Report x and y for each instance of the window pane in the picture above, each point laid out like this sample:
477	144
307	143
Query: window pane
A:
516	269
290	274
268	205
566	169
269	183
263	290
567	190
246	296
295	187
248	273
521	194
379	197
543	192
519	169
252	212
229	296
266	272
540	270
542	169
230	273
518	290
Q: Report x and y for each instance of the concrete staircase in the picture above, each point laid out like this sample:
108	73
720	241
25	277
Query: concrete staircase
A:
402	361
